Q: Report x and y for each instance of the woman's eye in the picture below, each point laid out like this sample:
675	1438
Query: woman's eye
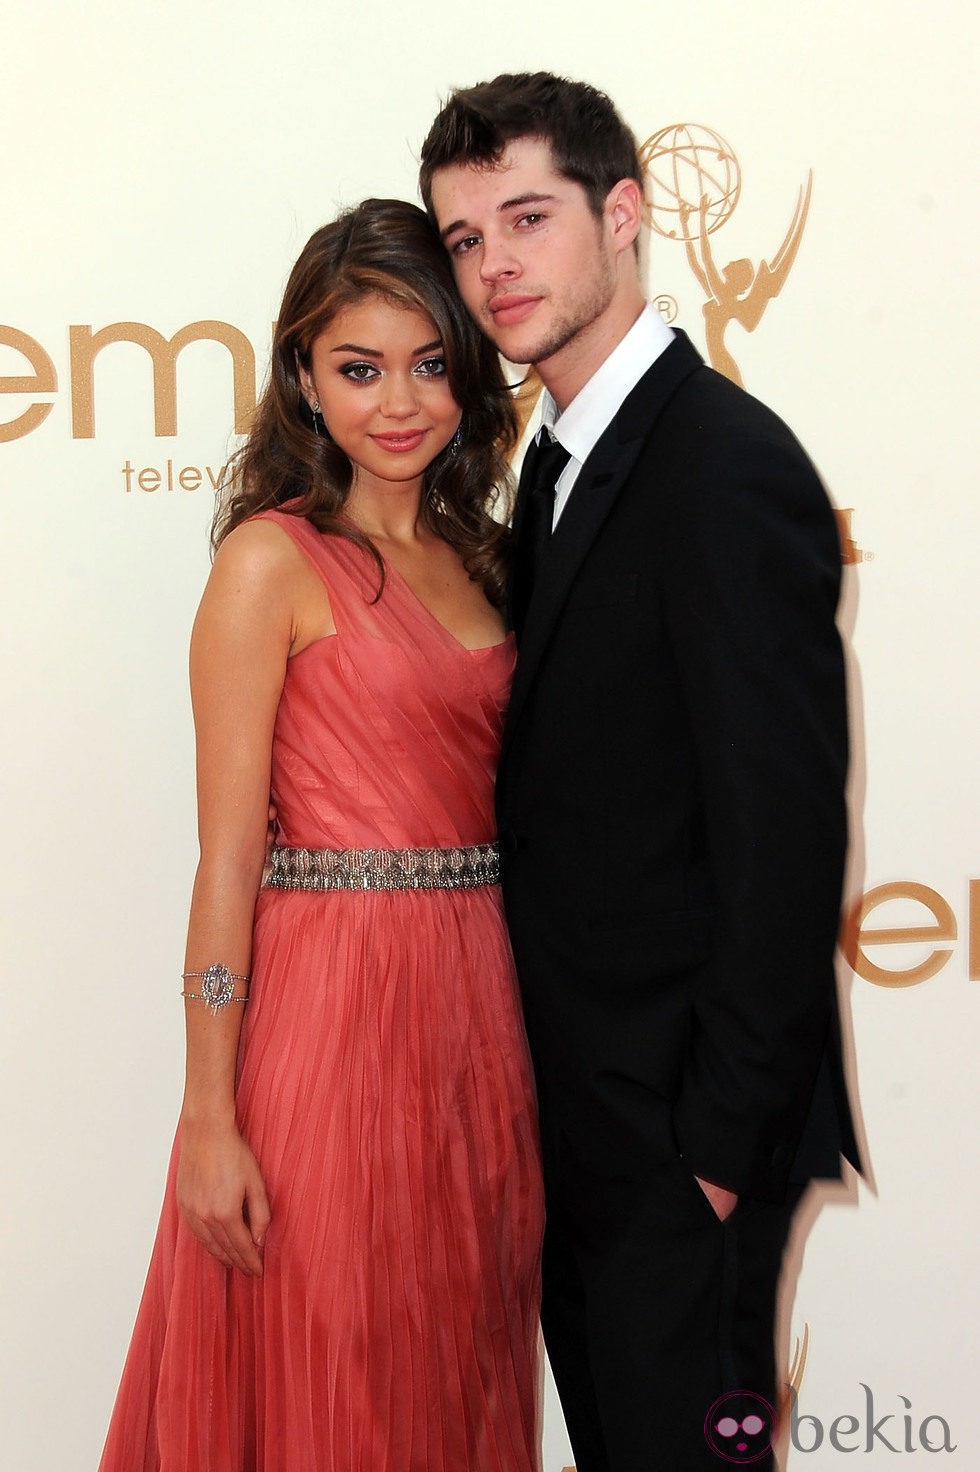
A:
359	372
431	367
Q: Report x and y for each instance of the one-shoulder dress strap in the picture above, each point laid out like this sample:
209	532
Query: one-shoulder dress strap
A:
347	570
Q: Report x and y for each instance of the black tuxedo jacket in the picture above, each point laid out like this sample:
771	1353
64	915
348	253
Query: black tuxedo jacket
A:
671	799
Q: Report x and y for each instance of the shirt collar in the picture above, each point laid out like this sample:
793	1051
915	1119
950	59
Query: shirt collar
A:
595	404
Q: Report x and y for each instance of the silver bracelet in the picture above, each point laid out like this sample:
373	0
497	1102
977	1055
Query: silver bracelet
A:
217	987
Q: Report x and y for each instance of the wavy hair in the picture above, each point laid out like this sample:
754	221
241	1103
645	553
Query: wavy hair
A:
388	248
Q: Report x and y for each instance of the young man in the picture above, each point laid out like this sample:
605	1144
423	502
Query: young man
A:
670	794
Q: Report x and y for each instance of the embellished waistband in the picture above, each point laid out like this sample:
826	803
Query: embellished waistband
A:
384	868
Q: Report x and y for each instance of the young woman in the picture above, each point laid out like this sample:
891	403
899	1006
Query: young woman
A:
345	1277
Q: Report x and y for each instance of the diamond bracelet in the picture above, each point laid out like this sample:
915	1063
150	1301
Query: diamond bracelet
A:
217	987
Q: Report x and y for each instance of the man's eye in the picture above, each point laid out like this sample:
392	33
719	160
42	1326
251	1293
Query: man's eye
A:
531	219
359	372
431	367
464	244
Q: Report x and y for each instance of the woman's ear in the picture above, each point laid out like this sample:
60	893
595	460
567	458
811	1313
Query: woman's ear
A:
306	383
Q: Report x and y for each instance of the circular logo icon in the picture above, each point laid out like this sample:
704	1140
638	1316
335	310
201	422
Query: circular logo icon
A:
740	1427
686	163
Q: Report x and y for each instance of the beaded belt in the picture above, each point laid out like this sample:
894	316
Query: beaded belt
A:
384	868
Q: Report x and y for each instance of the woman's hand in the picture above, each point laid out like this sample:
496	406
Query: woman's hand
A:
221	1195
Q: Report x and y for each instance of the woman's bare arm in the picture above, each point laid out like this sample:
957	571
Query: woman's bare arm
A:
242	637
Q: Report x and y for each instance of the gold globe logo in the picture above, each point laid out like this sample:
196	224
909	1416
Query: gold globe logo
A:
685	164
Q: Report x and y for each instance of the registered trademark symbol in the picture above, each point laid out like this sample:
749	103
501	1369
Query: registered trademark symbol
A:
667	306
868	556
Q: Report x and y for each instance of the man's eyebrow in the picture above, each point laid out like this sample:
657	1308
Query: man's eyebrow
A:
525	199
519	201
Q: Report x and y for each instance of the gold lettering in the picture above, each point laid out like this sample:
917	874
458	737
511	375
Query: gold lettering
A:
43	380
85	345
187	477
854	936
974	961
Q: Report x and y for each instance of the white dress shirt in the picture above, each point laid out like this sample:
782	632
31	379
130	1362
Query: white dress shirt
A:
594	407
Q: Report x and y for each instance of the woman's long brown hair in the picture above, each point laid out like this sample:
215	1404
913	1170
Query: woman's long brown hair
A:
389	248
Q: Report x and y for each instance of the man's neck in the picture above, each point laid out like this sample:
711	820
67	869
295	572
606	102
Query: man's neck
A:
567	372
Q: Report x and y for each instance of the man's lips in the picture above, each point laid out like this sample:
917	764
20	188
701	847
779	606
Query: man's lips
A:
509	310
400	441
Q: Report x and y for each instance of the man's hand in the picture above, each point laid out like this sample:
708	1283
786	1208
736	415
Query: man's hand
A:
723	1202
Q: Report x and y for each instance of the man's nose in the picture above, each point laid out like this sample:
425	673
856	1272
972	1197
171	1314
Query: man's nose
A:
498	261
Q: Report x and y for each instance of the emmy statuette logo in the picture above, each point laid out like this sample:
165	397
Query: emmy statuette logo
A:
694	185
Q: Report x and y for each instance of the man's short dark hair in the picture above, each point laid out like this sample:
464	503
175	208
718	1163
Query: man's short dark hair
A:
589	141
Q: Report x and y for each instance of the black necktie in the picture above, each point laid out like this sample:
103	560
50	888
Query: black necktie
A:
546	459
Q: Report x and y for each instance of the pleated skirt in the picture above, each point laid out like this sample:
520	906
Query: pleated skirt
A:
385	1088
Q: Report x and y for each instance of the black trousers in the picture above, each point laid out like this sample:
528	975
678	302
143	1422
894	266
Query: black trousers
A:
659	1322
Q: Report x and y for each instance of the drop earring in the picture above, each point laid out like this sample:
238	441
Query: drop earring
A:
317	419
457	439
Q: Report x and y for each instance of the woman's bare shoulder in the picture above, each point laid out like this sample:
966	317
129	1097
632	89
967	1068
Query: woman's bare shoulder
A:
260	552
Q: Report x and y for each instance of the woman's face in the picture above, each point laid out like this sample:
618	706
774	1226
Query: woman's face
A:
379	373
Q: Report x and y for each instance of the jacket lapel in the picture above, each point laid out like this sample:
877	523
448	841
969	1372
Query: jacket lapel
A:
599	483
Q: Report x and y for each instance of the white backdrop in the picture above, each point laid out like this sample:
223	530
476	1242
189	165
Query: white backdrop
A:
162	166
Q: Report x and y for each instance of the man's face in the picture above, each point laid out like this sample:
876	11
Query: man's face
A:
534	265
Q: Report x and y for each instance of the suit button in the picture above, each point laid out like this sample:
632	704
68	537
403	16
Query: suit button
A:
511	842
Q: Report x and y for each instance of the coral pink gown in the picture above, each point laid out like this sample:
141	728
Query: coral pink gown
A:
384	1086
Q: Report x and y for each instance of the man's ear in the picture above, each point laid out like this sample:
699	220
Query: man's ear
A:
624	213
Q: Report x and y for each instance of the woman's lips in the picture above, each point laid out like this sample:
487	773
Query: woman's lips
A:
401	442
